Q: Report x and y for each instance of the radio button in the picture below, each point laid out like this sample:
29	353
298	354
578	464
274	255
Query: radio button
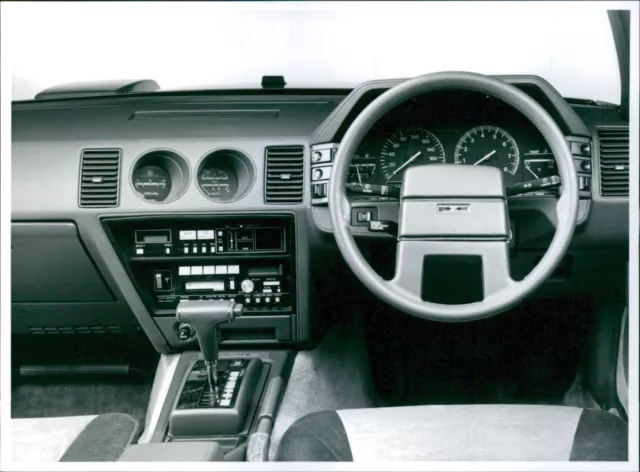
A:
187	235
234	269
206	234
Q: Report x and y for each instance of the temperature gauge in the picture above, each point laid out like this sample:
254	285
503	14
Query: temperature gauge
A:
539	167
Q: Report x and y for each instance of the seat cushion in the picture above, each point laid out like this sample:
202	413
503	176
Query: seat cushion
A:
72	438
457	433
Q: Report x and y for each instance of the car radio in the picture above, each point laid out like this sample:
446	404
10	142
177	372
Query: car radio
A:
199	240
262	286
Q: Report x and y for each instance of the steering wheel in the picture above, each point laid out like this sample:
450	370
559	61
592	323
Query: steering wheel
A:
453	210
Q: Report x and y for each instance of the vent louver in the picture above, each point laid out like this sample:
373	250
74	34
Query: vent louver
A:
284	181
614	161
99	177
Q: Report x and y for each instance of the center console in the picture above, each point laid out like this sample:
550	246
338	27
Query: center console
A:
216	286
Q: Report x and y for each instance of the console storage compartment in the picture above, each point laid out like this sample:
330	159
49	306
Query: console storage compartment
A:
193	451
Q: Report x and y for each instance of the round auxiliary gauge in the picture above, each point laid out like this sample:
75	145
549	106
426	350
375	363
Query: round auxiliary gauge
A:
218	182
152	182
488	145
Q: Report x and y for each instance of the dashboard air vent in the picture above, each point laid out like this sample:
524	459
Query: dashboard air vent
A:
284	181
99	177
614	161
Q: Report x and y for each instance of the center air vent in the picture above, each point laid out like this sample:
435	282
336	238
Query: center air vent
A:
99	177
614	161
284	181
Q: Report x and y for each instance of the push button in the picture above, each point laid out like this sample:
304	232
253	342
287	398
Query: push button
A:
363	216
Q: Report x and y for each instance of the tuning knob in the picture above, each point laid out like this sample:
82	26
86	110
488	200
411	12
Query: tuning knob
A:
247	286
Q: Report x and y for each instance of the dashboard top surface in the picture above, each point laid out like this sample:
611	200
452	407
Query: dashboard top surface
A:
50	136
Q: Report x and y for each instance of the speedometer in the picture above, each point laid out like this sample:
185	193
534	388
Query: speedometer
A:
406	147
488	145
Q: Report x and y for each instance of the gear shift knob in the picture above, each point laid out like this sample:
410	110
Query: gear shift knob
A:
206	316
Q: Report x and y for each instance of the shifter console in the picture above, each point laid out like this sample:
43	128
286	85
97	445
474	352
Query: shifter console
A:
197	394
197	414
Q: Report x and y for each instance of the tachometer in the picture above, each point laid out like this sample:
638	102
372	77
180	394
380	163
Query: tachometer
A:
488	145
406	147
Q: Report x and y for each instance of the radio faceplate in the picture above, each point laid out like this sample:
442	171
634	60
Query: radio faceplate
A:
262	286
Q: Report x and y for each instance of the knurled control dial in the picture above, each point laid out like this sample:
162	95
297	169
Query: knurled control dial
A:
247	286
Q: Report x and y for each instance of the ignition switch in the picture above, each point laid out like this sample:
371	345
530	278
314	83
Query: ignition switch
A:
185	331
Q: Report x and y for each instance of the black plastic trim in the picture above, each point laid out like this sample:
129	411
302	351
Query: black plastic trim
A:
566	117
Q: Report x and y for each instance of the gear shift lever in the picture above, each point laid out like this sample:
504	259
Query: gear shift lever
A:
205	316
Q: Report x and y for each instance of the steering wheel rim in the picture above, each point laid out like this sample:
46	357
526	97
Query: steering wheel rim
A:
512	292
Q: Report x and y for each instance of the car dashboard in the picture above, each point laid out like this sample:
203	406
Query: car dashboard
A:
127	204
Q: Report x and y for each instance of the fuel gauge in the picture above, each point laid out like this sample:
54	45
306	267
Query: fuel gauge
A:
362	173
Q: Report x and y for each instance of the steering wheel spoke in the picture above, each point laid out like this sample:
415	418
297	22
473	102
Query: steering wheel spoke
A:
411	255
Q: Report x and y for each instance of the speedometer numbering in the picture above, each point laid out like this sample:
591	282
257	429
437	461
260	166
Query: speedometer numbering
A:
408	147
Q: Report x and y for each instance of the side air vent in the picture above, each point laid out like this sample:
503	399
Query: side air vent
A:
284	181
614	161
99	177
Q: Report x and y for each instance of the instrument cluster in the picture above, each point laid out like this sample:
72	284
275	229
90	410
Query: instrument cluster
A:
452	129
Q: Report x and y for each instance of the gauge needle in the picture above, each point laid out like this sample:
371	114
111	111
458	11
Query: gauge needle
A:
358	172
485	157
411	159
532	172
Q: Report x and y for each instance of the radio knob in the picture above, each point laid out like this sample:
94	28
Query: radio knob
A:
246	286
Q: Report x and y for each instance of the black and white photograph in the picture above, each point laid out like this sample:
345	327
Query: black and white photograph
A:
319	235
